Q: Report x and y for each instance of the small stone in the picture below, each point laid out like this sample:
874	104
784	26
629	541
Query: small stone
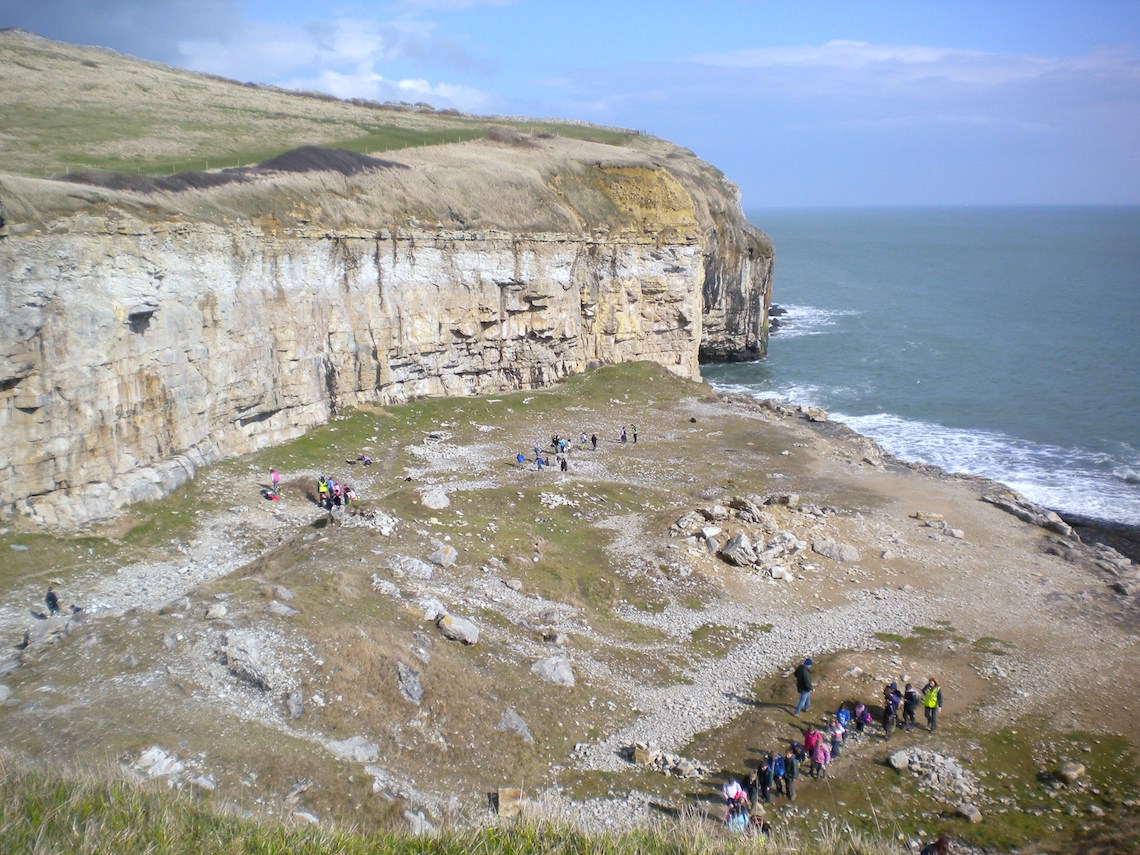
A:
1070	772
513	722
899	760
216	611
969	811
444	556
294	704
281	610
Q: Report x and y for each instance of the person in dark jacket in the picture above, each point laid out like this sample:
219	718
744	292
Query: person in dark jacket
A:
910	706
791	770
803	686
51	599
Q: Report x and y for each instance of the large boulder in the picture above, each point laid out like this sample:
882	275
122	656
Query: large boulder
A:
739	551
844	553
899	760
1070	772
242	654
458	629
404	565
554	669
435	498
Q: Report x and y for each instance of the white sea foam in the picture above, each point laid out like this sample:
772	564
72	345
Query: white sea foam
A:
808	320
1070	480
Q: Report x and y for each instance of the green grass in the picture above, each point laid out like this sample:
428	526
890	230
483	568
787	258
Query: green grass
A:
42	812
991	646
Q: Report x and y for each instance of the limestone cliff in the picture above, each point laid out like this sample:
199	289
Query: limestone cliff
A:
149	332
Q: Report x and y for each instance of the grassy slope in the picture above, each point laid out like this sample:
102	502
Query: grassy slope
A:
68	108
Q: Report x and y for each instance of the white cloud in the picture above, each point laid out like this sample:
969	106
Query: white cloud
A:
366	83
894	63
451	5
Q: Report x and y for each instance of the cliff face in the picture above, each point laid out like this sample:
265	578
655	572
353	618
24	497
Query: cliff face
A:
148	337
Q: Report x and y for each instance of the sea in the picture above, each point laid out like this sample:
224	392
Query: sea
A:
994	341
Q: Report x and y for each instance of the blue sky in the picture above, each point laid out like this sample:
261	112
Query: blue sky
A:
800	103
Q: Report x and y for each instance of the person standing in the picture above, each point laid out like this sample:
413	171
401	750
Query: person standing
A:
594	441
932	703
51	600
910	705
623	434
791	770
633	430
803	686
811	740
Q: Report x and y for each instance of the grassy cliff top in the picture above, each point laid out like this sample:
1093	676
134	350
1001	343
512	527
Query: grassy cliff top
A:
91	131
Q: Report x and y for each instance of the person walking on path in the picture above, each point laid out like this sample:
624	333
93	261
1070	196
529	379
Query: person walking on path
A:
803	686
276	479
932	702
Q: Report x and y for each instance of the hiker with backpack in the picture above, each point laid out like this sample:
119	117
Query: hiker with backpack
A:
910	705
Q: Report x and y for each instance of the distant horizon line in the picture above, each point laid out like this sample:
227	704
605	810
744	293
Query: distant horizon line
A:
857	206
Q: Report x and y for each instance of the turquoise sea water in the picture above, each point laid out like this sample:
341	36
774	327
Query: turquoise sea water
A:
1002	342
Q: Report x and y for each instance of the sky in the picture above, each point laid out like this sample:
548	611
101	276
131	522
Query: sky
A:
800	103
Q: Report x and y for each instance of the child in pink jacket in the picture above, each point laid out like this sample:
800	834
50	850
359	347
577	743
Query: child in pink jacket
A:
820	758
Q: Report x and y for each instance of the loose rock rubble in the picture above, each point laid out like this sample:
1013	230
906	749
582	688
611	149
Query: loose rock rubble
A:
649	754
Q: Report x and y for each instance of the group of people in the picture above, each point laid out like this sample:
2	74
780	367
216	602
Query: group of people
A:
899	707
776	773
333	494
560	447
